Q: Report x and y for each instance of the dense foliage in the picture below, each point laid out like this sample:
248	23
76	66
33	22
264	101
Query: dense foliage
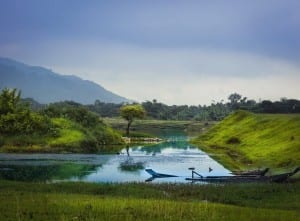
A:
73	111
97	132
105	109
214	111
57	127
16	118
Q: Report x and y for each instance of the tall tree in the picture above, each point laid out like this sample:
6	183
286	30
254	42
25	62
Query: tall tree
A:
130	112
9	100
17	118
234	100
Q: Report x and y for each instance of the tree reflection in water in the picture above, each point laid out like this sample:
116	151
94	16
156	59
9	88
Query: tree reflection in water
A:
129	164
46	172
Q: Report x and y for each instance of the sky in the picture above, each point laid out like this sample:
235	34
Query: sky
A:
178	52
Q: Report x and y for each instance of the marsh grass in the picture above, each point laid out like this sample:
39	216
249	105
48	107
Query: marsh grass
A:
82	201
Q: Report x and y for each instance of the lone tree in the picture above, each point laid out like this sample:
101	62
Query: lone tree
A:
234	98
130	112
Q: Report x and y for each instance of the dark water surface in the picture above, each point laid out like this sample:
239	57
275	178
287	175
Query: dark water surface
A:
174	156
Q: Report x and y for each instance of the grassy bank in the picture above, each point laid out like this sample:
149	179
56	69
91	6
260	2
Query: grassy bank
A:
82	201
59	127
245	140
66	136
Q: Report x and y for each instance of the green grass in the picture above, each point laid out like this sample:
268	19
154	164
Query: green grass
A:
82	207
83	201
245	140
70	134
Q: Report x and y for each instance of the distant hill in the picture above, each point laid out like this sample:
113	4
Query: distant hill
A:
45	86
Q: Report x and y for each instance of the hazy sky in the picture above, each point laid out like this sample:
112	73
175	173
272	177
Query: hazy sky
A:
178	52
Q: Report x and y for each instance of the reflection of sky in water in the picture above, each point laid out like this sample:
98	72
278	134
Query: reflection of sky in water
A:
172	157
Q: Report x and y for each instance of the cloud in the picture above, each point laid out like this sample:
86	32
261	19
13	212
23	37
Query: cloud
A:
255	26
174	76
174	51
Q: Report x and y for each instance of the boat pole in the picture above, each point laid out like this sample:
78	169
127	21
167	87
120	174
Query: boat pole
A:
194	172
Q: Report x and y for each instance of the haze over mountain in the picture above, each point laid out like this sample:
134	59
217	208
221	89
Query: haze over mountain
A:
46	86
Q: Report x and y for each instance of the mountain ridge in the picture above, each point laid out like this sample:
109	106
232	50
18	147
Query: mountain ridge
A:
47	86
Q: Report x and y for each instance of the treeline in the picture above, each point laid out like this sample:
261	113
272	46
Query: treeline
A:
214	111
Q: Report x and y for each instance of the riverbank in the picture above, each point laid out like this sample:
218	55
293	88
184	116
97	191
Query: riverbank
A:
66	136
142	140
245	140
64	127
84	201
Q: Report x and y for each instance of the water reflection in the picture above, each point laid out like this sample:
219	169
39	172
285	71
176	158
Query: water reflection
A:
46	172
163	147
131	166
174	156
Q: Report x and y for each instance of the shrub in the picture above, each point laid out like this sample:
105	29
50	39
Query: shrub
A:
75	113
233	140
24	122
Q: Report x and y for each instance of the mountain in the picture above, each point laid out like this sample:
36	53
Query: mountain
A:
46	86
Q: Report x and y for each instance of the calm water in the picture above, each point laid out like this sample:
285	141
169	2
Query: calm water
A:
174	156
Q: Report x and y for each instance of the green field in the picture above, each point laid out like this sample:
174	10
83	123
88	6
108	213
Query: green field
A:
245	140
83	201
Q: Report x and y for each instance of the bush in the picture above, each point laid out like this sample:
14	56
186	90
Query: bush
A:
66	125
233	140
76	113
106	135
16	117
24	122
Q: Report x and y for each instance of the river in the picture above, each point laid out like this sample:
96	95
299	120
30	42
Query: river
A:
174	156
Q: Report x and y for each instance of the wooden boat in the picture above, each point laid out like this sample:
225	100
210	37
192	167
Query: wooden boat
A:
158	175
229	179
252	172
235	178
283	177
246	178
